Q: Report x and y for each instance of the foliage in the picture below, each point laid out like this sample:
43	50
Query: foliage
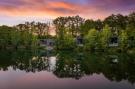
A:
131	35
38	28
116	21
10	36
88	24
72	24
5	36
105	36
67	42
91	40
96	33
15	38
123	40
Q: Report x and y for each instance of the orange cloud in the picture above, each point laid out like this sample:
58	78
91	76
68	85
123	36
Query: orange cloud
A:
53	8
39	9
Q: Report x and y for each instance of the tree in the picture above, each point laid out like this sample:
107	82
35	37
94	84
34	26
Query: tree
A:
15	38
5	36
98	25
105	36
131	19
131	35
68	42
78	21
123	40
86	26
72	25
91	40
34	42
26	38
67	28
116	22
42	29
60	29
25	33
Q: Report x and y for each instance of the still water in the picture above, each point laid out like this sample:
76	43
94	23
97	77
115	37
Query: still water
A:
25	69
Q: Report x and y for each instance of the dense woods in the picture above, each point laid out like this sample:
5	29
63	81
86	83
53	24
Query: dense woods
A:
74	32
96	34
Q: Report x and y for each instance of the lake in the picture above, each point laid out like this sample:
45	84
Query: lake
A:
39	69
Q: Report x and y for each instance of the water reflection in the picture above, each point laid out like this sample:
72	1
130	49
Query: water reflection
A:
115	67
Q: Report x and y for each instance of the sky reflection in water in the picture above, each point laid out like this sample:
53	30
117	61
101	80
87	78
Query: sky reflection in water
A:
19	70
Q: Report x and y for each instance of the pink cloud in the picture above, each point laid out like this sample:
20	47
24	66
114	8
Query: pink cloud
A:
96	9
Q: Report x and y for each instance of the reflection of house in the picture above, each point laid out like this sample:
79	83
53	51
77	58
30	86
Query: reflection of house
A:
113	42
47	42
113	59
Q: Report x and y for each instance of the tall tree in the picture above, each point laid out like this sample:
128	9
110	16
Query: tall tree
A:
116	22
123	40
91	40
105	36
98	25
86	26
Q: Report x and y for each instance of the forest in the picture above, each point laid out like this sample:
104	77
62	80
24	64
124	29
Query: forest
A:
115	32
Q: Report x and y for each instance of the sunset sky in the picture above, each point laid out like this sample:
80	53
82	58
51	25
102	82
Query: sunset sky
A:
17	11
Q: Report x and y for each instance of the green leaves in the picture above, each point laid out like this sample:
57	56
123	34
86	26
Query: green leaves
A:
91	40
67	42
123	39
15	38
10	36
105	36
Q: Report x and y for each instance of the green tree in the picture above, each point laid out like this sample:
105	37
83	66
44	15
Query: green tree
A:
26	39
34	42
15	38
105	36
68	42
91	40
98	25
86	26
42	29
131	19
5	36
72	25
131	35
116	22
123	40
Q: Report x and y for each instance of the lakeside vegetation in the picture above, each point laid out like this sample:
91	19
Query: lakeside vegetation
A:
74	32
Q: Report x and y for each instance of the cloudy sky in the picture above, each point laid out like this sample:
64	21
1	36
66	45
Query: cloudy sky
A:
17	11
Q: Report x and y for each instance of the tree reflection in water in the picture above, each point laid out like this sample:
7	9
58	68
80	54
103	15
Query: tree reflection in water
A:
115	67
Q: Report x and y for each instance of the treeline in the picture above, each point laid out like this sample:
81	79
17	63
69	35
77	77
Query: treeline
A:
25	35
96	33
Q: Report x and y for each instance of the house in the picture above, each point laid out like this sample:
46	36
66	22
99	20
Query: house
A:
113	41
48	43
79	40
